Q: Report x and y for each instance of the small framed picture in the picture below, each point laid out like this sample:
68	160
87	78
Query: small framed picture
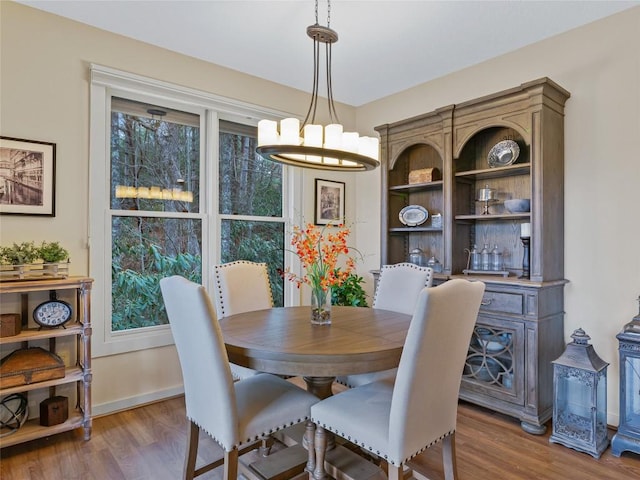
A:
27	177
329	202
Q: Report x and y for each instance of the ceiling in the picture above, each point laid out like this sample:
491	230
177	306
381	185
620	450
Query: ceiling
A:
384	46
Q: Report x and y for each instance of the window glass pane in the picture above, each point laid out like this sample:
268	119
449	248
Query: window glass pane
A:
155	158
144	251
249	184
256	242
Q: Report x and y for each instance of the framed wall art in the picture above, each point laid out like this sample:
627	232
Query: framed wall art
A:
329	202
27	177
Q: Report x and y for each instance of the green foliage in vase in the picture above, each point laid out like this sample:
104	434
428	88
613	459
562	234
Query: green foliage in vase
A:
52	252
350	293
19	254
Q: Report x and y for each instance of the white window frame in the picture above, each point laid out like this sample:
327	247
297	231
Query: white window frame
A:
107	82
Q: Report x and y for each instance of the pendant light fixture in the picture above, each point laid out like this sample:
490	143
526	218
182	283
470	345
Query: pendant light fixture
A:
312	145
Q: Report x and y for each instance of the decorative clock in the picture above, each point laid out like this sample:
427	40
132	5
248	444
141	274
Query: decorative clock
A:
53	313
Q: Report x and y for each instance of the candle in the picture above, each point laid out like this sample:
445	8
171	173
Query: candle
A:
525	230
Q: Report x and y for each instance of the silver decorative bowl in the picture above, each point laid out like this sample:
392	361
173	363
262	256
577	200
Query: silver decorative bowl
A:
518	205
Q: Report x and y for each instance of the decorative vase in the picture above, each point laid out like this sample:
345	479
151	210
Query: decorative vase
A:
320	306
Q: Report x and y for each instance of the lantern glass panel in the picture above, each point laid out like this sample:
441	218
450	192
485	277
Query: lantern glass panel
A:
574	402
601	402
632	377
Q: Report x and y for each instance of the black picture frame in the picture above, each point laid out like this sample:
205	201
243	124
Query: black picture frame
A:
27	177
329	202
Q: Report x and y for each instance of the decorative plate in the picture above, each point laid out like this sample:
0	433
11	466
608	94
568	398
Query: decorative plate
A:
413	215
503	153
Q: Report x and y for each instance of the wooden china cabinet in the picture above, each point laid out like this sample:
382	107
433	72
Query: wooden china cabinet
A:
520	329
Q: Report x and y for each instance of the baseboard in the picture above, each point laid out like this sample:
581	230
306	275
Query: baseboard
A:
133	402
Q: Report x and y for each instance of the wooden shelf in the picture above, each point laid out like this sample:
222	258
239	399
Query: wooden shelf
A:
32	430
72	374
20	286
77	370
511	170
414	229
31	334
491	217
415	187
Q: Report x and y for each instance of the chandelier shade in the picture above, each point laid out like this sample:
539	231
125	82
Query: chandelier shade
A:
311	145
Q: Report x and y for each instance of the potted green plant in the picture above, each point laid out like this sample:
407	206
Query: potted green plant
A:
20	255
52	252
350	293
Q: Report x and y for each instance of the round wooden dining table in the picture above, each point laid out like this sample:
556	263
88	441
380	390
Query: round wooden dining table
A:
283	341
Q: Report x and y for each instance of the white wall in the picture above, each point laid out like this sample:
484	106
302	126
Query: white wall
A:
44	95
600	65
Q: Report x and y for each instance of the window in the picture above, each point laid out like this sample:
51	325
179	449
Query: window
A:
175	187
155	185
250	204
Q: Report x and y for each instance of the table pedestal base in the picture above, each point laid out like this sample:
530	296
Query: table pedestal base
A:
320	386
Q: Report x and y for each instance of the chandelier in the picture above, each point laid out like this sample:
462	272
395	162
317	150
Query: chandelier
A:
312	145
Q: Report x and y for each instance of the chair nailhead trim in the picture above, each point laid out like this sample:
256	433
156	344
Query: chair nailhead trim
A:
250	439
377	452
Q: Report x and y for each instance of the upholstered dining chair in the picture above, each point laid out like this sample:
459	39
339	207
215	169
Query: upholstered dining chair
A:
397	421
237	415
241	286
398	288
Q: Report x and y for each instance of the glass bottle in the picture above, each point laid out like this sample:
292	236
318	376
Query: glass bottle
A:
416	256
496	259
484	258
475	258
435	264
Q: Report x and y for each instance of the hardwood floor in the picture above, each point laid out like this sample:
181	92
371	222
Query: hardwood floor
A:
148	443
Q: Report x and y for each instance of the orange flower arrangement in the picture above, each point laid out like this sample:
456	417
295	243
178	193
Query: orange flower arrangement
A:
319	250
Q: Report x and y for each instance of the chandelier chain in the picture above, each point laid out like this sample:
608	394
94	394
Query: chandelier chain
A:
328	13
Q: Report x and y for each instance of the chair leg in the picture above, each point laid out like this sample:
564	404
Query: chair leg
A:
320	446
192	451
449	457
309	432
394	473
265	446
231	465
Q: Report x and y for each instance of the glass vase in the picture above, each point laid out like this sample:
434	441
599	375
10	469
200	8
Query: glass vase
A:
320	306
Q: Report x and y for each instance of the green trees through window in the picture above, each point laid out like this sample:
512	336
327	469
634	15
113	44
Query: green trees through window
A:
250	203
157	218
156	230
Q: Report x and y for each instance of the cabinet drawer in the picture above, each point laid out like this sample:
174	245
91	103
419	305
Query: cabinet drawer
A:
503	302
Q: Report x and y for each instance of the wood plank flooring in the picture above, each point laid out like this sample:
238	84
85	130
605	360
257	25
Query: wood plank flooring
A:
148	443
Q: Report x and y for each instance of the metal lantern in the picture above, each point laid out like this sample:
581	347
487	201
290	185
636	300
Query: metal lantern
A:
580	397
628	434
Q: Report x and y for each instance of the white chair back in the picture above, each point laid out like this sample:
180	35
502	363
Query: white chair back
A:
208	384
424	411
399	286
241	286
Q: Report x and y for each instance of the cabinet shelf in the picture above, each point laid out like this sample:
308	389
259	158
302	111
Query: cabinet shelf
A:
415	187
413	229
491	217
487	173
